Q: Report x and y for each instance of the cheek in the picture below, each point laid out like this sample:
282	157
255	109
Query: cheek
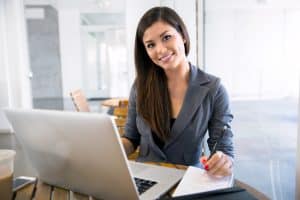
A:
152	57
182	48
151	54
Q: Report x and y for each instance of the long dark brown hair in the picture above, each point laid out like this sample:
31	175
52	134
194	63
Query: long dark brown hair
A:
153	101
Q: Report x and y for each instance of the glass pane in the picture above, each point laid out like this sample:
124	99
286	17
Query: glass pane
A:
104	54
252	46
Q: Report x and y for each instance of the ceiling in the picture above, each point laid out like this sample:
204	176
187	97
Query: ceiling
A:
103	18
92	5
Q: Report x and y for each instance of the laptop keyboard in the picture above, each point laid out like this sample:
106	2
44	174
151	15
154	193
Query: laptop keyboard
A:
143	184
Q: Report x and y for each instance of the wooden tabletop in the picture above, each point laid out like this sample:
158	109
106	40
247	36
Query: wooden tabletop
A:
112	102
42	191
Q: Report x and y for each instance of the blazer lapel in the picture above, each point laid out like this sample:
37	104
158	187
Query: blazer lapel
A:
148	132
194	96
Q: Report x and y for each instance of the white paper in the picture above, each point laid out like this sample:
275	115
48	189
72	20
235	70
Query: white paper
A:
197	180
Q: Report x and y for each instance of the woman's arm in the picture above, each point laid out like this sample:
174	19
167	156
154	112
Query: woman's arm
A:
131	138
220	164
128	146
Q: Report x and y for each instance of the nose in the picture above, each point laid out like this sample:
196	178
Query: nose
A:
160	48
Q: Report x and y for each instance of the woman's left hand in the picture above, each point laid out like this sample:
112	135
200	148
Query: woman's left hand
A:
219	164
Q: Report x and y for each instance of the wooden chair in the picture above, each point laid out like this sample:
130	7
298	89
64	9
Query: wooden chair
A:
80	101
120	112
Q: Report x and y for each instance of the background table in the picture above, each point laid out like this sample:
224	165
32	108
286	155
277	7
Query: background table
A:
115	102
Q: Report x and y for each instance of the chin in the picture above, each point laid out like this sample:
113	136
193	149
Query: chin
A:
169	67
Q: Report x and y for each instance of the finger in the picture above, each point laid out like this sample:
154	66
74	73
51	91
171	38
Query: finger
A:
225	169
214	159
219	169
203	159
218	165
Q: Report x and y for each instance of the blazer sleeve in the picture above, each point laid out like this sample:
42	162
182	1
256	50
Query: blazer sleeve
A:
221	116
131	131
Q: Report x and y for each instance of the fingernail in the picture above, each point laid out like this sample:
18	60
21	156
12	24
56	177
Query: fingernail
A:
203	160
206	167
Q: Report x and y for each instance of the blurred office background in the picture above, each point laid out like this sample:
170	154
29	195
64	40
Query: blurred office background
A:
51	47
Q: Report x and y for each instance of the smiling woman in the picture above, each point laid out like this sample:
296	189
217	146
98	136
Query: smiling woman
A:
164	45
172	102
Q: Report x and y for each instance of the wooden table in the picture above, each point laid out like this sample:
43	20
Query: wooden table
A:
112	102
42	191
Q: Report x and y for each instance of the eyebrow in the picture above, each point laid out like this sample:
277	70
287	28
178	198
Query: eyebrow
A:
148	41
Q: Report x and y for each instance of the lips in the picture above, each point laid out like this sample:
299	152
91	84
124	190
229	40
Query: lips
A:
165	58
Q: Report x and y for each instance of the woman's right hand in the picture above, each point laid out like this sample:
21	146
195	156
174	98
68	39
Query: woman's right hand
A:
218	165
128	146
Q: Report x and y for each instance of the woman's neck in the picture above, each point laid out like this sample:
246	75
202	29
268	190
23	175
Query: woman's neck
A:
178	75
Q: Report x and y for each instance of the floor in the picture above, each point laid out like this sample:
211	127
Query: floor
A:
265	134
265	141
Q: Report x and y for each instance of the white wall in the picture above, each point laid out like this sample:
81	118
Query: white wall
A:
255	45
4	92
4	95
70	49
15	86
200	34
297	192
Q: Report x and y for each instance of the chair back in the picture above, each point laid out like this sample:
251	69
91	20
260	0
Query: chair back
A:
80	101
120	112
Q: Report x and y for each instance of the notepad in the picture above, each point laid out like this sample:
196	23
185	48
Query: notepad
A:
197	180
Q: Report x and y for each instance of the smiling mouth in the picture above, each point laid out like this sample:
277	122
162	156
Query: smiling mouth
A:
165	58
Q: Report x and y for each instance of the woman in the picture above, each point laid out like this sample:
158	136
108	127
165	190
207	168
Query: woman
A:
173	103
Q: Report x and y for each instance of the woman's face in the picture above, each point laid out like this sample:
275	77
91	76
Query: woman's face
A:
164	45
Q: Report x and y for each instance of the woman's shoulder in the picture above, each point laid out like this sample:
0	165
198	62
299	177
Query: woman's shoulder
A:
133	91
204	78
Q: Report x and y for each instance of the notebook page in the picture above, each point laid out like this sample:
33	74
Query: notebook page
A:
197	180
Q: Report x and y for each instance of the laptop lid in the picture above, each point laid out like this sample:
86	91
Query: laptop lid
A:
80	151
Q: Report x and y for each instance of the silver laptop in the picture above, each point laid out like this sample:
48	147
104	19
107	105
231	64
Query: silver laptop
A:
83	152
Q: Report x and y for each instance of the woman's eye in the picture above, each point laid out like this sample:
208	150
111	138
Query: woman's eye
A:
149	46
166	37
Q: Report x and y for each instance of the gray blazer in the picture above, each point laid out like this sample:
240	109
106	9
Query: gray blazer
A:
205	108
